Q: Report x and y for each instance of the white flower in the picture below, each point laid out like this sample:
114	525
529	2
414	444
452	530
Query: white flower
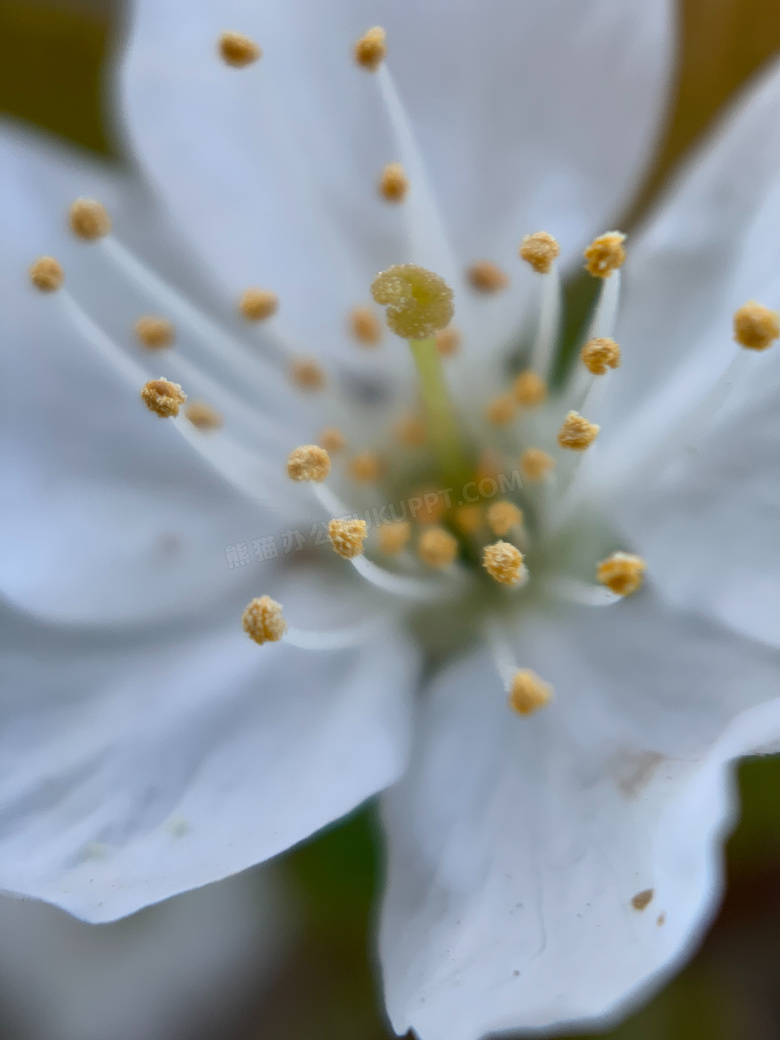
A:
544	869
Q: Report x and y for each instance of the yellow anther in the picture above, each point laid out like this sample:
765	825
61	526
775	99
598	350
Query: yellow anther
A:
622	573
366	467
502	517
468	519
238	50
576	433
364	326
418	302
600	354
434	506
411	431
448	341
332	440
530	389
437	547
503	562
309	462
393	538
262	620
46	274
540	250
155	333
393	183
258	304
605	254
347	537
528	693
307	374
502	410
163	397
755	326
89	219
203	416
370	50
489	466
535	464
486	277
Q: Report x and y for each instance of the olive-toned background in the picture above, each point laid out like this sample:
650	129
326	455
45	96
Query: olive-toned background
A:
52	55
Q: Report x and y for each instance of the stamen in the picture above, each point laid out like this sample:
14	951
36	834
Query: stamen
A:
307	374
347	537
155	333
540	250
535	464
576	433
339	639
203	416
528	693
468	519
418	302
366	467
238	50
262	620
370	50
489	466
548	330
393	538
448	341
502	517
411	431
47	274
393	184
622	573
756	327
486	277
504	563
258	304
309	462
89	219
163	397
437	548
435	506
599	354
332	440
364	326
250	473
605	254
530	389
502	410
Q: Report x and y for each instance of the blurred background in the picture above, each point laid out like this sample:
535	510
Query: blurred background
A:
285	952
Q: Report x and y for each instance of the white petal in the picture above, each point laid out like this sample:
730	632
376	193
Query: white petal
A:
709	248
107	513
198	954
709	534
141	763
271	170
516	844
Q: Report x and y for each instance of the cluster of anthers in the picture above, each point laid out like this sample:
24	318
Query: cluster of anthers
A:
509	472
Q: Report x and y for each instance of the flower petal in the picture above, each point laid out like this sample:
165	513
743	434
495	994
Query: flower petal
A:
548	870
139	764
271	171
107	514
708	248
709	532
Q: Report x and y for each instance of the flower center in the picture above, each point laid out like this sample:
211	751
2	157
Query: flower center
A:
473	509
